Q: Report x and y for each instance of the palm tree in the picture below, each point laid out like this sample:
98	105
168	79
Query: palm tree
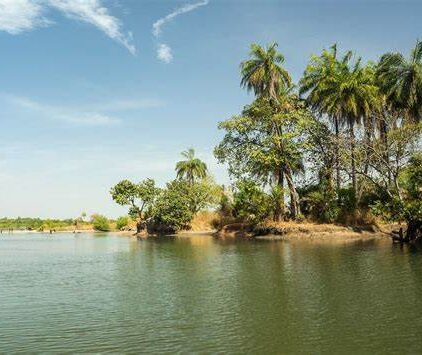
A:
353	98
401	81
344	91
318	81
191	168
263	73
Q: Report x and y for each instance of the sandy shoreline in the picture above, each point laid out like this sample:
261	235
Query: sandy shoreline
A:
285	232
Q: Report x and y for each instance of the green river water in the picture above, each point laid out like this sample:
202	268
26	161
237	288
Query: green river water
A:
107	293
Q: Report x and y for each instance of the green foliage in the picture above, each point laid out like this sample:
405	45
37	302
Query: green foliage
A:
411	178
172	210
319	202
340	88
267	142
181	200
225	205
202	194
192	168
169	209
400	79
250	203
406	206
122	222
139	197
34	223
276	202
353	128
263	73
100	223
346	199
252	146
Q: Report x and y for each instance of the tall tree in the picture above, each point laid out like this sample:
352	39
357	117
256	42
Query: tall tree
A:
318	82
354	100
263	73
261	141
191	168
401	80
345	91
139	197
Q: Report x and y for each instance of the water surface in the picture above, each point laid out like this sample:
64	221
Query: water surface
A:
96	293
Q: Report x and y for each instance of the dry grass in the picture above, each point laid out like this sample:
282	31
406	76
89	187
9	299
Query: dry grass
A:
204	221
307	227
303	230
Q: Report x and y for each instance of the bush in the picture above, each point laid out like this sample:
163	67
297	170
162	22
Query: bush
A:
251	203
100	223
408	205
122	222
172	210
225	205
322	207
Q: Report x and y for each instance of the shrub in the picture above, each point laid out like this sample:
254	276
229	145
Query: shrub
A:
406	206
322	206
100	223
172	210
122	222
251	203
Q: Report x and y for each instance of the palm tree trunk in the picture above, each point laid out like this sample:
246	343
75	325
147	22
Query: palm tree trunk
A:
368	135
352	147
338	181
383	128
280	183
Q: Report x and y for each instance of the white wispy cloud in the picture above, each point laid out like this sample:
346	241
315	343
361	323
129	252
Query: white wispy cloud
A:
157	26
92	114
93	12
17	16
64	114
164	53
127	104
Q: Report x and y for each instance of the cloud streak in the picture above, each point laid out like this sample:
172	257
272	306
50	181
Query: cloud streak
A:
157	26
164	52
94	13
64	114
17	16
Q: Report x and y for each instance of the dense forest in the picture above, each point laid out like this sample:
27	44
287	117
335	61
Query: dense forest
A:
340	146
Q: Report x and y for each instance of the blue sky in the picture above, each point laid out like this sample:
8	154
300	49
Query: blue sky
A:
92	92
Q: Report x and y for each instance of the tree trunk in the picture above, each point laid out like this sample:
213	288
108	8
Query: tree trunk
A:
140	224
352	147
384	139
368	135
139	227
280	182
338	181
414	230
294	196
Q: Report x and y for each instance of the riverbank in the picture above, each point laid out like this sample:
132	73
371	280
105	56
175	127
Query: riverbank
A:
281	231
303	231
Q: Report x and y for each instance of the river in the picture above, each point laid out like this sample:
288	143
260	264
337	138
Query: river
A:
108	293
